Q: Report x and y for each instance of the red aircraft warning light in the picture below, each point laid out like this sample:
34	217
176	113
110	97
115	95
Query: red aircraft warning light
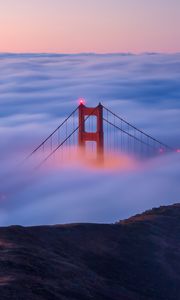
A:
178	150
81	101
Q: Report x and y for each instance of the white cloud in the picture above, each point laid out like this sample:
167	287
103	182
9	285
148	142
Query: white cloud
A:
38	91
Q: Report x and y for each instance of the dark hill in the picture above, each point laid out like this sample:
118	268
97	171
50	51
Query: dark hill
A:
134	259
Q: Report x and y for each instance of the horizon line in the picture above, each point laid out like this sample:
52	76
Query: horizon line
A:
90	53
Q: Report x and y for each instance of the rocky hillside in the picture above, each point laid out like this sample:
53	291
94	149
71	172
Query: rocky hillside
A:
134	259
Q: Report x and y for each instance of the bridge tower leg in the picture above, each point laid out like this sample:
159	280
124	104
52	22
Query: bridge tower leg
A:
97	136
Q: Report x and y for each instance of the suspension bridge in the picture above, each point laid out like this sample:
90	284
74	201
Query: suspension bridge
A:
95	131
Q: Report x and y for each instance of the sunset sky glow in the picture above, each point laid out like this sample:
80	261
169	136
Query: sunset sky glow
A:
101	26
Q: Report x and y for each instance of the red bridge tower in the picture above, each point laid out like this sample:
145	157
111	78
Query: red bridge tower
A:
98	136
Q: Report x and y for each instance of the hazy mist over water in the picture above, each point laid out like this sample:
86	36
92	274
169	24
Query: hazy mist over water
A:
37	91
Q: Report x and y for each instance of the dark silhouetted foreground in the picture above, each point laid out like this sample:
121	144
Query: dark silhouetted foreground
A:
135	259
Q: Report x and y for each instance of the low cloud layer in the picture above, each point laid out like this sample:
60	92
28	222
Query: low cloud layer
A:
38	91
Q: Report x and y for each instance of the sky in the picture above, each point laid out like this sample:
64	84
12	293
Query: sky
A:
38	91
102	26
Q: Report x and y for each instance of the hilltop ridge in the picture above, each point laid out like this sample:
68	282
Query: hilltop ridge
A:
134	259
